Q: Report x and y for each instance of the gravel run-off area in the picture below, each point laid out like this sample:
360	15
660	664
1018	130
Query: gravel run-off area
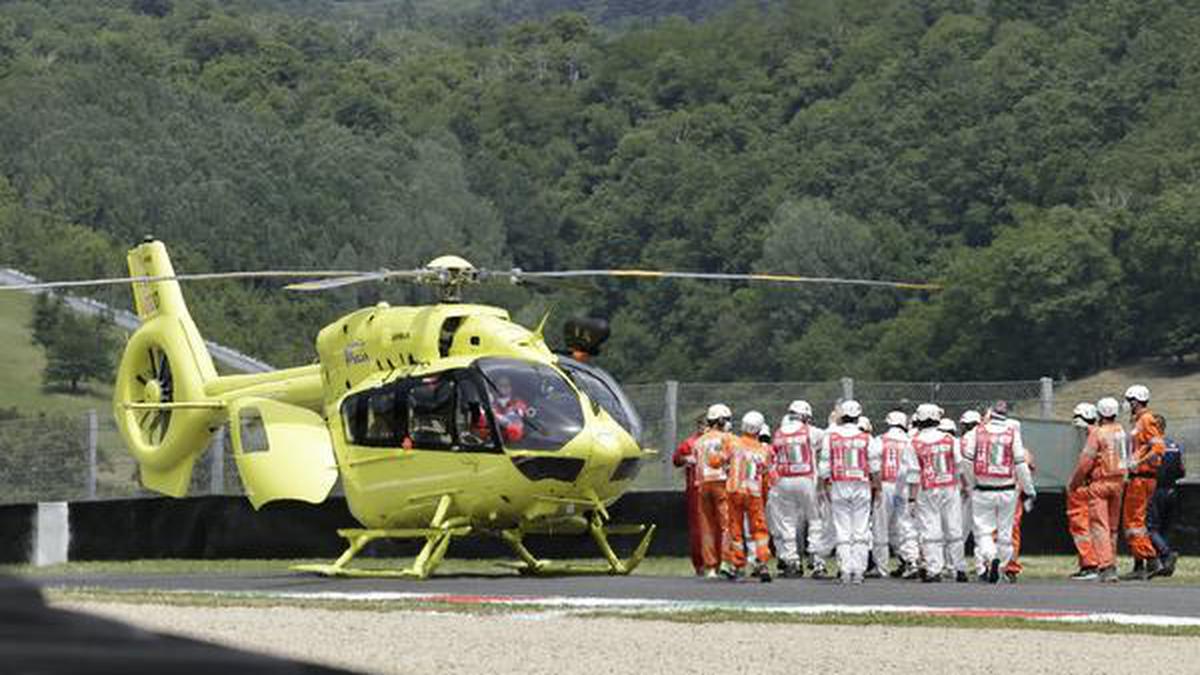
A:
421	642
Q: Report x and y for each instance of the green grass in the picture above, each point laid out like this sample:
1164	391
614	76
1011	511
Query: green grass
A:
654	566
235	599
1036	567
22	362
902	620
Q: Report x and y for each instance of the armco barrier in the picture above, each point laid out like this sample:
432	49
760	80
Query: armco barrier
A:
227	527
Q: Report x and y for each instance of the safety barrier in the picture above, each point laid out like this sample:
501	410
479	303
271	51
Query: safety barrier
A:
227	527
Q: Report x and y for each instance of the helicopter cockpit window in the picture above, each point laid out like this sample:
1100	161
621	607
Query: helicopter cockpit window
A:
473	418
534	406
605	393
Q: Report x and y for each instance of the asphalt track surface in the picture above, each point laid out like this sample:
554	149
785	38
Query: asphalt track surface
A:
1139	598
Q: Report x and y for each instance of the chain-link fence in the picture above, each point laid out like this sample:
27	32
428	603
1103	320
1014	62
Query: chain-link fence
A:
671	410
79	457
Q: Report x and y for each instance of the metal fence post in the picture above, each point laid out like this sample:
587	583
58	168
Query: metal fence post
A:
216	463
93	433
847	388
670	428
1047	398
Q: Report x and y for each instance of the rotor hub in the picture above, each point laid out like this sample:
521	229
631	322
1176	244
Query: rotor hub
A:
152	392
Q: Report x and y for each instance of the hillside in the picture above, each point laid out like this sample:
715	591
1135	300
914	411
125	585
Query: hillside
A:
1174	388
1036	159
21	365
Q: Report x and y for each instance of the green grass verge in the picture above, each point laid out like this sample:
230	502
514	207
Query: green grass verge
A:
1036	567
234	599
654	566
901	620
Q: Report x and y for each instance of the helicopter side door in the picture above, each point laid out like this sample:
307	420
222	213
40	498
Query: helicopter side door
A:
282	451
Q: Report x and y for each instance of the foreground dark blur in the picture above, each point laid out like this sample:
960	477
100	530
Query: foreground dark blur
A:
35	638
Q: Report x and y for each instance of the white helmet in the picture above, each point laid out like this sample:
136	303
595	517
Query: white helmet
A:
765	431
947	425
718	411
864	424
927	412
753	422
896	419
851	408
1138	392
1085	413
801	409
1106	407
970	417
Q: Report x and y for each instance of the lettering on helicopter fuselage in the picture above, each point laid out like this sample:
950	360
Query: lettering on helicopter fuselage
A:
356	353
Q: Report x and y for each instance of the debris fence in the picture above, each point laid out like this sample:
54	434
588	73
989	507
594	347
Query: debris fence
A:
56	457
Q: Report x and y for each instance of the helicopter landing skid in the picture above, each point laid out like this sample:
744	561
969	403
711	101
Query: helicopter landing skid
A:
437	539
613	565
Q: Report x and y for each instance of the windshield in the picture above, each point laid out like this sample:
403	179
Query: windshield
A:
534	406
603	390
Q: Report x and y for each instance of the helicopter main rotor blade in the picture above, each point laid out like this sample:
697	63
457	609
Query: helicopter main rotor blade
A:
720	276
549	283
353	278
203	276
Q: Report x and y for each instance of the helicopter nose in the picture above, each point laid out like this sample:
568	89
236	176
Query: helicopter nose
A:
606	452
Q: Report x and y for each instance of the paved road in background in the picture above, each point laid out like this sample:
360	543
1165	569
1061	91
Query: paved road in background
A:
226	356
1057	596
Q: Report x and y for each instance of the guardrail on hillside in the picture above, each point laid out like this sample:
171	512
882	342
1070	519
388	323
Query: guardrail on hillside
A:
226	356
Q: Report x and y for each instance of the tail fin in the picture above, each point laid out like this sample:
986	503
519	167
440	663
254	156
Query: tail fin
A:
159	400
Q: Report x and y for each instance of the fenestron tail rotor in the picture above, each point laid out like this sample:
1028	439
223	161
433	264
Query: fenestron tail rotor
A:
157	388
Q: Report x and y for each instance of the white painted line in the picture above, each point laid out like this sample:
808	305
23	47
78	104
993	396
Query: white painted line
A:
567	606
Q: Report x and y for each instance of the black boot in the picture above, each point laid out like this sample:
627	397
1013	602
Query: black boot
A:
1153	568
993	575
1168	564
1138	573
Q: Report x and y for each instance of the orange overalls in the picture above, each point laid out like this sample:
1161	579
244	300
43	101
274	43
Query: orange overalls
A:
746	487
1077	526
1100	475
1147	449
683	454
1014	565
713	450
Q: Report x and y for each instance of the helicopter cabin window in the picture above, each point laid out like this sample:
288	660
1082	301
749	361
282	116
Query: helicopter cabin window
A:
252	431
445	411
431	412
373	419
534	406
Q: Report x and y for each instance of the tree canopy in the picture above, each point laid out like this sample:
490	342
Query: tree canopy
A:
1039	159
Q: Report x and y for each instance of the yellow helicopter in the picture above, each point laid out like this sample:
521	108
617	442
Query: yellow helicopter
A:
443	421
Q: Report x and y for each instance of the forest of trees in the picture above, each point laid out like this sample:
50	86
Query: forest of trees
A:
1041	160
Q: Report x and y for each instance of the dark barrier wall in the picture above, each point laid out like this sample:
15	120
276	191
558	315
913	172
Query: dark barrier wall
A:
227	527
16	532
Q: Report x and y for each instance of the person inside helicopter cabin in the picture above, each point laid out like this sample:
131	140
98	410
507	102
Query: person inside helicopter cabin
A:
510	411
